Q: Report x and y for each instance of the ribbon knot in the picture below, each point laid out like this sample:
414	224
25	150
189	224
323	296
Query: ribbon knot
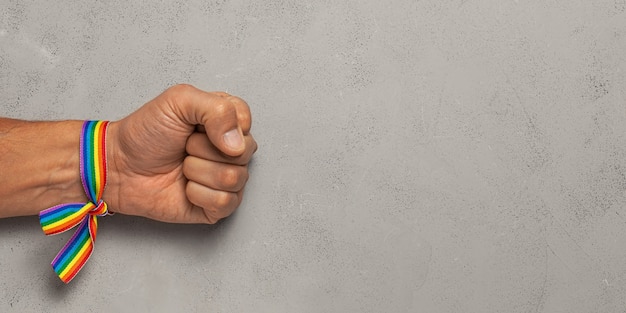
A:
100	209
60	218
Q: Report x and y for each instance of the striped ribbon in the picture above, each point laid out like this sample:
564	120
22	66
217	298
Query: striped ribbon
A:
63	217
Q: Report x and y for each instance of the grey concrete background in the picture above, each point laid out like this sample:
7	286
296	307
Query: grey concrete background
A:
415	156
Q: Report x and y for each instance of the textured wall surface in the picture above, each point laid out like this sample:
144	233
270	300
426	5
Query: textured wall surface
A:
415	156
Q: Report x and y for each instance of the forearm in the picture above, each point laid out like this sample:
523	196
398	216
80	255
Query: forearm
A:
39	166
160	164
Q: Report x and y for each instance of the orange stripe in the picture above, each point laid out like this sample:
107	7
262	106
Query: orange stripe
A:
93	227
65	225
78	265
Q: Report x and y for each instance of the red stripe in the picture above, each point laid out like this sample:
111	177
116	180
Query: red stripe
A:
81	262
65	225
102	152
93	227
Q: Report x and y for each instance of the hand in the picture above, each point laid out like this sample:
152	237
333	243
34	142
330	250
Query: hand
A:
180	158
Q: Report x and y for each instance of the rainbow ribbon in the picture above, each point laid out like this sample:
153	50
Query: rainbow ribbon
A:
63	217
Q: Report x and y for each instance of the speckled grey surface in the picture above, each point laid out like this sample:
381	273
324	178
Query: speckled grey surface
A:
415	156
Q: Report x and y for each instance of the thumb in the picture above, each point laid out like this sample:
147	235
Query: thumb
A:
216	113
233	142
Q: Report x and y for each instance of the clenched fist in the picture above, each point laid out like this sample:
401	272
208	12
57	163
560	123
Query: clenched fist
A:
182	157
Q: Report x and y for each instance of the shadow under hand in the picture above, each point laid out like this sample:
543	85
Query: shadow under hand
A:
133	244
117	234
168	233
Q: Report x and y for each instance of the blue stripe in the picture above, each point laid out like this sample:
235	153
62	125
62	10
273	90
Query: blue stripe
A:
60	212
74	245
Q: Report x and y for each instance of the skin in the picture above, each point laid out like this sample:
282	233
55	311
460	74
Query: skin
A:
180	158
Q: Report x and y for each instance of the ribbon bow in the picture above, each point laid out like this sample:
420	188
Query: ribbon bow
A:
60	218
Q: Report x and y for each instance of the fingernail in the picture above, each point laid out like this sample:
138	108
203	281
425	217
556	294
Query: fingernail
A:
233	139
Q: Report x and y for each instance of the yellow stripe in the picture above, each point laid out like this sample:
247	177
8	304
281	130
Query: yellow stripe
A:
82	211
70	266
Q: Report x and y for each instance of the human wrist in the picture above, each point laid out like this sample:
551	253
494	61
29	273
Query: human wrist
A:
82	216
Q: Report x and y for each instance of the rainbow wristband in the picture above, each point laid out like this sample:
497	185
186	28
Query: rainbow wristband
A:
63	217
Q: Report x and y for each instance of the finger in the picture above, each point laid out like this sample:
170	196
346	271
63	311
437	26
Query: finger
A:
218	115
199	145
243	110
215	204
244	117
221	94
215	175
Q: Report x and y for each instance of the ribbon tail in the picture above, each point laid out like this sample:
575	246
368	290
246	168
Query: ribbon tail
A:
71	259
63	217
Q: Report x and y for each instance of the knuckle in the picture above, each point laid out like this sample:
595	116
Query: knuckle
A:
177	91
244	117
243	112
180	88
245	176
241	103
255	146
222	108
223	200
230	177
